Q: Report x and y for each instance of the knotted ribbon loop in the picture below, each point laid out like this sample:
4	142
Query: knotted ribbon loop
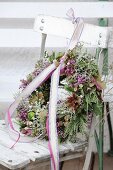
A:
70	13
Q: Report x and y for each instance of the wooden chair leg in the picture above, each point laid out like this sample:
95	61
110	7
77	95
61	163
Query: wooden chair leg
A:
88	160
61	165
42	51
110	152
92	161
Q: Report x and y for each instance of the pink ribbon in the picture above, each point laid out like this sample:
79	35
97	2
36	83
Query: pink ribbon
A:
12	127
52	131
49	145
25	93
54	72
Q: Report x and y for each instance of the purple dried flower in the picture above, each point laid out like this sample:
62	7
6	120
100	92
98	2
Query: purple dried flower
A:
80	80
24	84
27	132
69	70
36	72
23	115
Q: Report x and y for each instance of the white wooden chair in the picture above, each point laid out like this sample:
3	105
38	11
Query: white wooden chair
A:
92	36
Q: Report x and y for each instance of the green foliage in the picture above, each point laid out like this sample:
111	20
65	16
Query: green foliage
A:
31	115
76	125
82	83
69	89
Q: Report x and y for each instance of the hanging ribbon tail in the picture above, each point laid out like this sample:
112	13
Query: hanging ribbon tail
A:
53	137
76	34
41	78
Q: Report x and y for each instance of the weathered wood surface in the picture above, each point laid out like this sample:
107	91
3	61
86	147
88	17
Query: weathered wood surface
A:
24	154
91	36
73	164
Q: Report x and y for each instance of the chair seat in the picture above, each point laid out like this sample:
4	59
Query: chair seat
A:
24	153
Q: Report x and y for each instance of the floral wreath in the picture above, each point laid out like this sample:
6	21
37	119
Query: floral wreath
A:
80	97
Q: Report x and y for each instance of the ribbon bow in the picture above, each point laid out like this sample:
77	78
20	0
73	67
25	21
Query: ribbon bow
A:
70	13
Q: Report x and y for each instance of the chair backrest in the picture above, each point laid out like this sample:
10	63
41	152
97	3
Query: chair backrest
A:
17	18
92	35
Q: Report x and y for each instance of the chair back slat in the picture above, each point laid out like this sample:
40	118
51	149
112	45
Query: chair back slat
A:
92	35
